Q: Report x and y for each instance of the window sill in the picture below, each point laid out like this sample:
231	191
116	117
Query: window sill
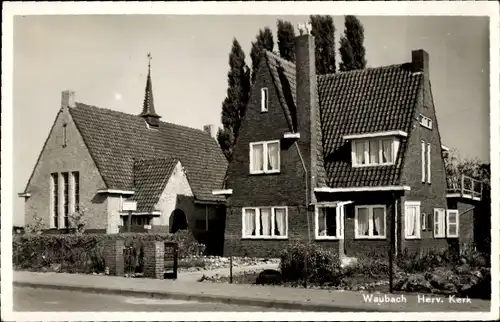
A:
265	237
264	173
328	238
439	237
261	111
372	165
369	237
412	237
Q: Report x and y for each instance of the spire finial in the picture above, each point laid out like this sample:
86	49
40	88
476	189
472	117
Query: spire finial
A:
149	61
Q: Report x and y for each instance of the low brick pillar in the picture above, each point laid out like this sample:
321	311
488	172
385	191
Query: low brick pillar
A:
113	257
154	260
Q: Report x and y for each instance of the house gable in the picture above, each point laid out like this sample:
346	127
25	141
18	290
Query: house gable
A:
285	187
65	151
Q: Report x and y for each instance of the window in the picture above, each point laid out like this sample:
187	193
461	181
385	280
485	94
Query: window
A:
452	223
424	221
55	200
429	221
265	222
369	221
378	151
426	122
76	191
423	161
329	222
428	163
412	219
64	135
265	157
439	223
263	100
65	199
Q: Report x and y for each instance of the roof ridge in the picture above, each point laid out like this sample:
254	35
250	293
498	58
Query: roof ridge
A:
138	116
364	70
279	58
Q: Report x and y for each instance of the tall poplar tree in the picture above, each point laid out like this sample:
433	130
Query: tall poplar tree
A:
323	31
264	41
286	40
234	105
352	50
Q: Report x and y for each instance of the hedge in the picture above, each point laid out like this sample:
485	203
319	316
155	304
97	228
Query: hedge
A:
302	261
85	253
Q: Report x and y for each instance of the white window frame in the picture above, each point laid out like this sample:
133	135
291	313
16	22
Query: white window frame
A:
366	143
257	222
414	204
370	222
426	121
422	145
457	223
264	155
340	213
54	177
423	221
428	163
264	99
439	223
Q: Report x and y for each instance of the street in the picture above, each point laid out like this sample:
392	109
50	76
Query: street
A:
37	300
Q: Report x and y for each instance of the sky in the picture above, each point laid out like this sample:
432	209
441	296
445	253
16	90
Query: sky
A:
104	60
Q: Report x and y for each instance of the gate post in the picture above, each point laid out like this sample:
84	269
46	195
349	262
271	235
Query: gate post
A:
113	257
154	263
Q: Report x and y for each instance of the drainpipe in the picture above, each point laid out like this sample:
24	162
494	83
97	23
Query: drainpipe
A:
307	211
206	217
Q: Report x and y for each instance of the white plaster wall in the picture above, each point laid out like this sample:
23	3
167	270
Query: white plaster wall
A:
114	219
177	186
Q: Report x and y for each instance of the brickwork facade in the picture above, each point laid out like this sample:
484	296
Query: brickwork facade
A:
154	261
113	257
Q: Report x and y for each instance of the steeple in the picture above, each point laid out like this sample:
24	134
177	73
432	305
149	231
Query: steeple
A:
148	108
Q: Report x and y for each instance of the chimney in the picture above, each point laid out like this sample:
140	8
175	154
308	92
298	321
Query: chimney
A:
420	62
210	129
307	102
68	99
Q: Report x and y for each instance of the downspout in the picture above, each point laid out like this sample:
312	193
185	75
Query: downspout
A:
307	212
206	217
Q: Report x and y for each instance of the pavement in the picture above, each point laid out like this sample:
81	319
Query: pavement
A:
195	276
249	295
45	300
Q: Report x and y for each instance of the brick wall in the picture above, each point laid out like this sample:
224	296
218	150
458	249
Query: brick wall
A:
154	261
113	257
431	195
56	158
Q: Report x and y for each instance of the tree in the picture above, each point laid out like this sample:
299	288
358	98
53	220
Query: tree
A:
234	105
264	41
36	225
78	222
323	31
352	50
286	40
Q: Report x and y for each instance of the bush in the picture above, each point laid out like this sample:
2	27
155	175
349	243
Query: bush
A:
367	266
323	265
85	253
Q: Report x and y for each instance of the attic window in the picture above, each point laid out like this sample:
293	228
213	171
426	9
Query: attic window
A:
263	100
374	151
64	136
426	122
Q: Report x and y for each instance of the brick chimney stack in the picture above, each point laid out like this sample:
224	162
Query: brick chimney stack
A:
420	64
307	102
68	99
210	129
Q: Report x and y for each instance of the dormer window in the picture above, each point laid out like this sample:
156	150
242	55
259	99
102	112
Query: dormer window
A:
426	122
263	100
374	149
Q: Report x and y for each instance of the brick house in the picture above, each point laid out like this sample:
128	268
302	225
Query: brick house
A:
96	159
352	161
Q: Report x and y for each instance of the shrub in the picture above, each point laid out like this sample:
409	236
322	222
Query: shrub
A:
368	266
323	265
85	253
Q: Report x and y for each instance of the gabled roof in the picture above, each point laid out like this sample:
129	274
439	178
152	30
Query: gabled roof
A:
116	140
150	179
364	101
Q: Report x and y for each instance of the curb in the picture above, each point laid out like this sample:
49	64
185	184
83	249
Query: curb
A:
290	305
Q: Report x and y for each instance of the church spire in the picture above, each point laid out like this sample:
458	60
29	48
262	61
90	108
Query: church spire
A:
148	108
